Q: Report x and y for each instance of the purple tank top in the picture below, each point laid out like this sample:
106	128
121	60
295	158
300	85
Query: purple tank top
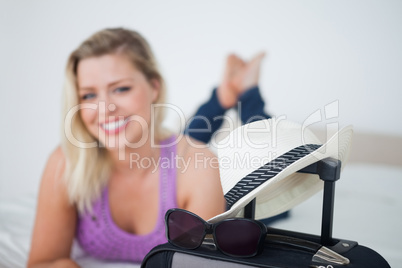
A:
99	235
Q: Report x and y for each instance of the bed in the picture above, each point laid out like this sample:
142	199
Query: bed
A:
368	207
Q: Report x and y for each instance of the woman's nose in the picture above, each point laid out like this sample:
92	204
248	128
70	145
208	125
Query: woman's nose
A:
106	109
110	109
106	105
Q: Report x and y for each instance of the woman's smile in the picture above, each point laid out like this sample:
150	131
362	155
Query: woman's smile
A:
114	127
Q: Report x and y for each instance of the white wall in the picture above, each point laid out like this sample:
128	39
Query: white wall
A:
318	52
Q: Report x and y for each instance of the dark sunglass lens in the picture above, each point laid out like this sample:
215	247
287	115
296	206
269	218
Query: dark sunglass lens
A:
238	237
185	230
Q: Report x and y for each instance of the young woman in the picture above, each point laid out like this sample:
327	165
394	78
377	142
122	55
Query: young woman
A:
117	171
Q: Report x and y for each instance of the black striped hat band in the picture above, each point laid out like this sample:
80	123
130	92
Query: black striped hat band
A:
266	172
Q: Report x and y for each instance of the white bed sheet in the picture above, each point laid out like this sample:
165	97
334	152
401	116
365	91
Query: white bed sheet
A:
16	222
368	206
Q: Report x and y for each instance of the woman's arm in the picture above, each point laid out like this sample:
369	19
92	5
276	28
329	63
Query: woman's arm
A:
55	221
199	188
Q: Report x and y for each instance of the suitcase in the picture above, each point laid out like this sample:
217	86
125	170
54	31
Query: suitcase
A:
282	248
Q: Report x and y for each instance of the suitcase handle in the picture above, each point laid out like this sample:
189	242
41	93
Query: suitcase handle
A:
329	170
321	253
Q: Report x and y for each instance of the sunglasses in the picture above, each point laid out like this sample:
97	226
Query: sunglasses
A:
237	237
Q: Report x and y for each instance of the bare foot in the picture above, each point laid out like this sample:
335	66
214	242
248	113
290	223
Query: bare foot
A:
250	73
232	80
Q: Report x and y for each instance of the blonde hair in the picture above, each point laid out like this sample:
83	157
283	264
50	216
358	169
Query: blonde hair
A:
88	166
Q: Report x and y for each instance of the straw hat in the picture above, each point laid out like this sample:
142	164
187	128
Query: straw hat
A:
261	159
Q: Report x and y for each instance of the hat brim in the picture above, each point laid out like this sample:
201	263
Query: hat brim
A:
289	188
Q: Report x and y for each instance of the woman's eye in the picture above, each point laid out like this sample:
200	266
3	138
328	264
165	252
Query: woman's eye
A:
88	96
122	89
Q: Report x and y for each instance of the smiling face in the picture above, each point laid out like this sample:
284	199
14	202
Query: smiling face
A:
119	98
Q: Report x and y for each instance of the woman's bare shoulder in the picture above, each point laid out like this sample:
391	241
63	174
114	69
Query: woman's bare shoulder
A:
197	157
56	163
52	177
57	154
189	147
199	188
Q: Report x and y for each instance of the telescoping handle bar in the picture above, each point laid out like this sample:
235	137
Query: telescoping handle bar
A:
328	170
